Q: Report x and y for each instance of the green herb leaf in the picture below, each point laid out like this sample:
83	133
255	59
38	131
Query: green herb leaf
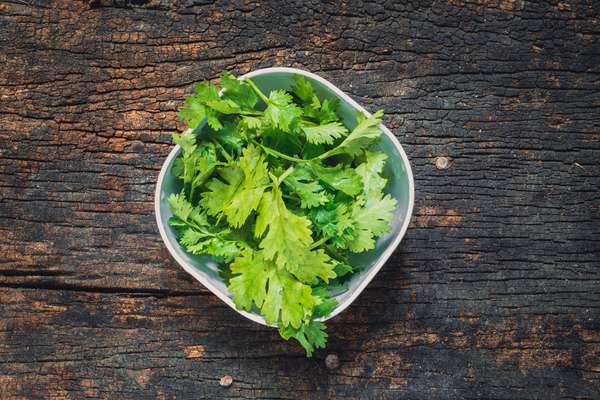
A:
324	133
313	265
282	112
370	173
325	304
278	295
230	137
196	107
340	178
311	336
288	235
303	89
334	220
371	219
249	285
238	91
342	269
303	183
204	242
197	162
365	133
197	236
372	211
328	111
240	194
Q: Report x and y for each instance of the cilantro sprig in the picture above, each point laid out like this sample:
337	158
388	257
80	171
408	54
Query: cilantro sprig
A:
281	192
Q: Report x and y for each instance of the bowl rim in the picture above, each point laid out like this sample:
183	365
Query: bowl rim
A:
374	269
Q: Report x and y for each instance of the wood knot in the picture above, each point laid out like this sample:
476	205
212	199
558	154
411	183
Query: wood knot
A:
442	163
332	361
226	381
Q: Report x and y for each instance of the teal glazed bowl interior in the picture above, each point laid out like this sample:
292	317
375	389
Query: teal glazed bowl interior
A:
400	186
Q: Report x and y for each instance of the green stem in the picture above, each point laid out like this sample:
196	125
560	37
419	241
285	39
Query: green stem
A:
276	153
257	90
224	152
325	155
200	229
251	113
287	196
319	242
309	122
285	174
197	227
333	252
187	187
192	192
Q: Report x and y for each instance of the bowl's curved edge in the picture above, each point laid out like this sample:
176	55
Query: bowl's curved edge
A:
374	270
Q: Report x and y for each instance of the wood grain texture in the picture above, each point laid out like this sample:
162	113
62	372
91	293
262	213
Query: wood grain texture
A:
494	293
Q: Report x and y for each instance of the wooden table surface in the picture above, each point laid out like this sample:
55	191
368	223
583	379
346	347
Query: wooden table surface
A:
493	293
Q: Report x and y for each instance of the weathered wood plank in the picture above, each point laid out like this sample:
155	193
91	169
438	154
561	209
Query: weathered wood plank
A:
493	293
108	345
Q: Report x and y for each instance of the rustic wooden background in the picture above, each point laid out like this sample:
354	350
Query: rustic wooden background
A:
494	293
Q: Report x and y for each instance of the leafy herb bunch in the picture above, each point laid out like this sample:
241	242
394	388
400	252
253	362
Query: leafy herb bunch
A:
281	193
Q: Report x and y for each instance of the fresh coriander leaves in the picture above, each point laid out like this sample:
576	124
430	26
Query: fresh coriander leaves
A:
275	292
365	133
281	192
311	336
288	236
239	188
197	235
303	183
324	134
281	112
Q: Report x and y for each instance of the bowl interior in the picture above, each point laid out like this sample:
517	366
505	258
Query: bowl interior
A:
397	170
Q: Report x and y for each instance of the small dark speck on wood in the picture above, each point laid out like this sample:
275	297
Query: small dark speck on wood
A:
226	381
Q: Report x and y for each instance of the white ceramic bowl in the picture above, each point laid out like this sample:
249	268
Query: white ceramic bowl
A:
400	186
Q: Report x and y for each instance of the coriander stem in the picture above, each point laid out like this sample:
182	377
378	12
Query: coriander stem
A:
319	242
192	191
287	196
276	153
325	155
334	252
257	90
251	113
224	152
204	231
198	228
309	122
285	174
